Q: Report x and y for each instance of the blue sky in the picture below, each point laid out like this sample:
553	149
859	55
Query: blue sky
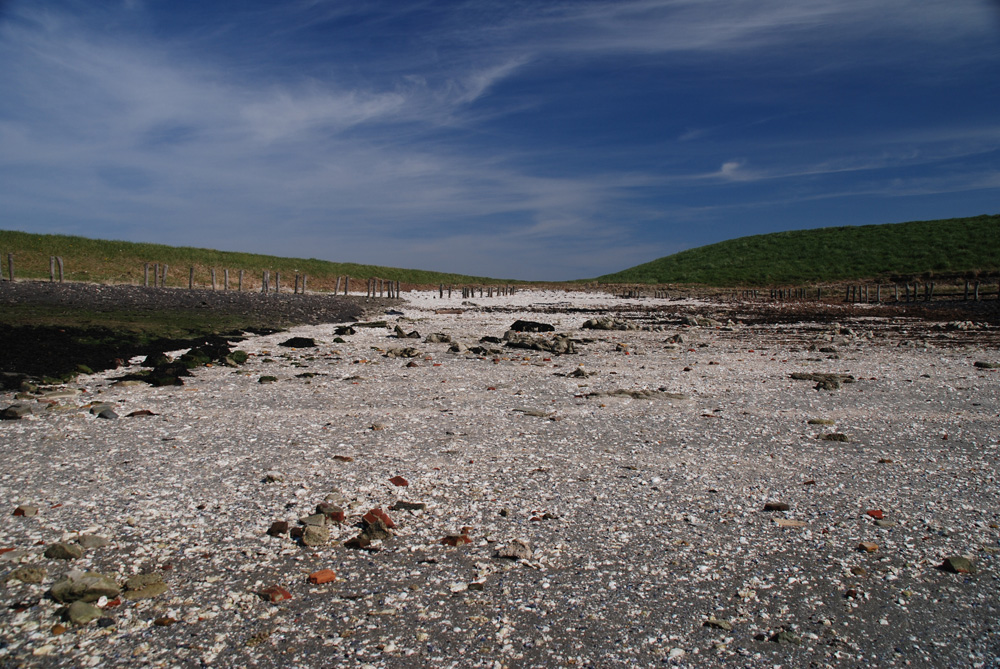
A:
535	140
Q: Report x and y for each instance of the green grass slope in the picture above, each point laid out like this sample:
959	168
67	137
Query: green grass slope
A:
104	261
919	248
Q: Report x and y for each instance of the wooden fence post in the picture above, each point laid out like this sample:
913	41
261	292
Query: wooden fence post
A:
977	291
213	279
191	279
59	261
336	291
163	276
347	284
277	282
52	268
241	280
304	277
225	279
145	275
10	266
441	290
296	290
265	279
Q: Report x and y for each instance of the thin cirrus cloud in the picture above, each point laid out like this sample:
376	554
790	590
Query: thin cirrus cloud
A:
522	140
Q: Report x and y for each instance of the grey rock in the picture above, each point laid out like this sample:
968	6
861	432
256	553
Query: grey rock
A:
62	551
85	586
16	412
315	535
145	586
81	613
27	575
316	519
92	541
608	323
376	530
437	338
515	550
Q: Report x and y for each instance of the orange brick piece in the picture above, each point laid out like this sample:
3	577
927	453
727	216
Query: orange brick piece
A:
275	594
322	576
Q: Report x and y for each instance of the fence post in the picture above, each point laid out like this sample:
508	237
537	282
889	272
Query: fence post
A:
59	261
241	280
225	279
191	279
10	266
52	268
265	279
213	279
277	282
145	275
163	276
977	291
296	291
304	277
347	284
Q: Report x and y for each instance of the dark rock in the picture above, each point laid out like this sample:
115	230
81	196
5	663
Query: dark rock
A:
987	365
267	379
299	342
409	506
776	506
345	331
836	436
531	326
278	528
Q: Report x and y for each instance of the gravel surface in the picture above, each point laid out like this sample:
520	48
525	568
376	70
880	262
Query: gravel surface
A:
667	495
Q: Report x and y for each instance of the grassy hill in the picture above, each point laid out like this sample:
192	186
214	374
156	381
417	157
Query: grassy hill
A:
958	246
103	261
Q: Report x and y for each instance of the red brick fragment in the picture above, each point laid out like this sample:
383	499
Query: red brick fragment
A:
456	540
322	576
868	547
275	594
877	514
399	481
377	512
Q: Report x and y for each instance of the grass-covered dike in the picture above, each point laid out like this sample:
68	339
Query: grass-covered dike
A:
919	249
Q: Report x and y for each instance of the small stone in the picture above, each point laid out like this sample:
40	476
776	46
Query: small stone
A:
877	514
26	511
81	613
27	575
273	477
165	621
958	565
821	421
359	542
275	594
868	547
885	524
145	586
107	414
58	629
776	506
719	624
343	458
785	637
400	505
789	522
399	481
317	519
278	528
456	540
267	379
515	550
89	541
859	571
62	551
322	576
836	436
315	535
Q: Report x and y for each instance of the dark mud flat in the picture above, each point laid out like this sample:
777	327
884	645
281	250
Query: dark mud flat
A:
51	329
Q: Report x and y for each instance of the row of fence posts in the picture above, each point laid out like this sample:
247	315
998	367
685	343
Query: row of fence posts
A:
382	288
159	273
470	291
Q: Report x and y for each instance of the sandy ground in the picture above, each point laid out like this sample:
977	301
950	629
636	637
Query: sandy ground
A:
636	471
